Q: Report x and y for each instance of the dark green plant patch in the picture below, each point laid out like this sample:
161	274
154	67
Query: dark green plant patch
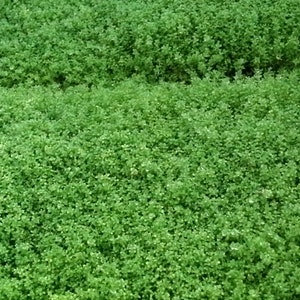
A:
85	42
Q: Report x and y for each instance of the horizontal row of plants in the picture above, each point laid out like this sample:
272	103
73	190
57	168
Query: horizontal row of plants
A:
151	192
84	42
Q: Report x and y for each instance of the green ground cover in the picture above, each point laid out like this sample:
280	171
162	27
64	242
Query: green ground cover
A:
151	192
149	149
72	42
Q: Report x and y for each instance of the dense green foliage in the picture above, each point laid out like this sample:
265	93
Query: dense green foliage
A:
151	192
72	42
139	191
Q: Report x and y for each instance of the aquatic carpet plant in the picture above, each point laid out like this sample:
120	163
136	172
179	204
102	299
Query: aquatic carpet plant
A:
151	192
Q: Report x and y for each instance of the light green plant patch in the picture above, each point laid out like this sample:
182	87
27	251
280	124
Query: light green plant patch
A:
151	192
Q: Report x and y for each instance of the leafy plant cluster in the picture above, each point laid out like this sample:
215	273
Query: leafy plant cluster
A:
84	42
151	192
